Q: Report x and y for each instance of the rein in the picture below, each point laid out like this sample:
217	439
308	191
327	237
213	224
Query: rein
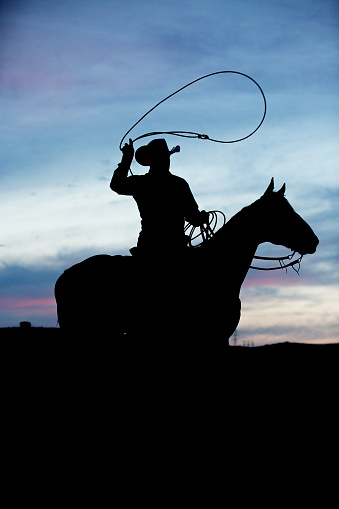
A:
281	260
207	231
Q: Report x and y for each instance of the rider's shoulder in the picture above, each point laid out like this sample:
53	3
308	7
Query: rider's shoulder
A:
178	180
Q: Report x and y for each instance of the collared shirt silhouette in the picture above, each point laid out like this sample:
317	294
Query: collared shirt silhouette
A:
163	199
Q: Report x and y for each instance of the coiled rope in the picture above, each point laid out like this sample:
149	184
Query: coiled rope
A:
205	231
189	134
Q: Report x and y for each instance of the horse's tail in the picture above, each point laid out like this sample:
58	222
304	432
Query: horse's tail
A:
60	294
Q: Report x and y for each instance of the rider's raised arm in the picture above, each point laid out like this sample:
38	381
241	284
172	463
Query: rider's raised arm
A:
120	183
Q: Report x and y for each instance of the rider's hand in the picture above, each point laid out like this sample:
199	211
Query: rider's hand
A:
128	153
204	217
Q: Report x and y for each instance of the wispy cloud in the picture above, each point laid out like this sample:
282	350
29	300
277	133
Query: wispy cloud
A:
277	314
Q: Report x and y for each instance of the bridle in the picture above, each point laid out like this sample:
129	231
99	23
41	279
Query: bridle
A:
207	232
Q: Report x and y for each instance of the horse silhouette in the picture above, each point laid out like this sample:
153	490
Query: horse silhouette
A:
191	302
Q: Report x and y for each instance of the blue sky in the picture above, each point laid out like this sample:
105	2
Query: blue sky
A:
75	75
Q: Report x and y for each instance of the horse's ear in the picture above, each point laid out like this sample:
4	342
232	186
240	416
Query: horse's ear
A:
270	188
281	191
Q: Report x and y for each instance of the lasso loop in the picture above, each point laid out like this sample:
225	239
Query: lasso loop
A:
189	134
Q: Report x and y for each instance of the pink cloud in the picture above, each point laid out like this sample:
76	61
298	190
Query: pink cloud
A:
272	279
43	303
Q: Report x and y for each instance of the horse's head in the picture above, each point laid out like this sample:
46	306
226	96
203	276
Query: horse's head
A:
282	225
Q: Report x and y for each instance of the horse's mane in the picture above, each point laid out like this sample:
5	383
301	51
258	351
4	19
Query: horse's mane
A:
233	228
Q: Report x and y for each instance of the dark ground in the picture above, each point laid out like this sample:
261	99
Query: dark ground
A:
48	365
47	350
46	376
81	420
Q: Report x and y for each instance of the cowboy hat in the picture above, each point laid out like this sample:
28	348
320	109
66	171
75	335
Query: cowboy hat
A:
155	149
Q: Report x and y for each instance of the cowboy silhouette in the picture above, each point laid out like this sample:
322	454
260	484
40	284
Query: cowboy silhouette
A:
164	200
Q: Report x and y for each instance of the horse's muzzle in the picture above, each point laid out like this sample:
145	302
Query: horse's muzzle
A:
312	247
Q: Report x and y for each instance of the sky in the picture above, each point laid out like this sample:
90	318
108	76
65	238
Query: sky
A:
75	75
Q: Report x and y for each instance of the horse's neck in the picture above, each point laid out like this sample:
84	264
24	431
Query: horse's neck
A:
236	243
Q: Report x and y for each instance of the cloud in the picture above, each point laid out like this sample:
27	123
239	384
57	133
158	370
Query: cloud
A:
27	294
64	220
304	313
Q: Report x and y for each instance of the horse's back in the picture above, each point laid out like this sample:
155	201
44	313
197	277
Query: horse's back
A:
85	293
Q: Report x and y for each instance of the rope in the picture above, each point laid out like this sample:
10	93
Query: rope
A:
205	231
189	134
